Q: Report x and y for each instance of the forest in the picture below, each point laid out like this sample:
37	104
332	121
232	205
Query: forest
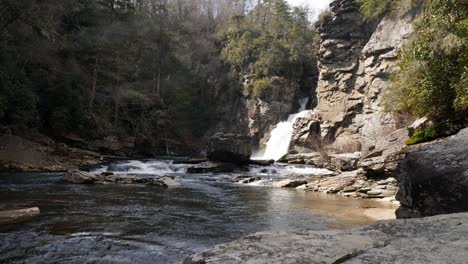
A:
150	69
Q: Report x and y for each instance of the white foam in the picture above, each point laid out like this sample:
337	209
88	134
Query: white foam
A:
280	137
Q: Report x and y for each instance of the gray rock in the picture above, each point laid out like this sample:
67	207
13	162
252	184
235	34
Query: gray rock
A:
79	177
169	182
349	117
433	178
82	177
230	148
439	239
290	183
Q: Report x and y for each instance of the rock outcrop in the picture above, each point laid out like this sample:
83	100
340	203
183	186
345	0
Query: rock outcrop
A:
355	184
230	148
40	153
439	239
270	107
433	178
356	59
83	177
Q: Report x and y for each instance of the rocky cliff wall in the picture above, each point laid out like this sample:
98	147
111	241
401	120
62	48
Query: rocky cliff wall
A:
242	112
356	59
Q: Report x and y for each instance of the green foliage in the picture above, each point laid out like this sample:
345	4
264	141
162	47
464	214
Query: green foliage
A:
324	16
431	80
373	9
260	85
424	135
107	67
17	101
272	40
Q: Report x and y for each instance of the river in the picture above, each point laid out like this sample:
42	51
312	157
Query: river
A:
147	224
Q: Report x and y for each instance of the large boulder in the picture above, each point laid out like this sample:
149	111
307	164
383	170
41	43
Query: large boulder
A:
433	178
230	148
438	239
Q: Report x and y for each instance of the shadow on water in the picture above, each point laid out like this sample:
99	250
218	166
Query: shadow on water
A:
145	224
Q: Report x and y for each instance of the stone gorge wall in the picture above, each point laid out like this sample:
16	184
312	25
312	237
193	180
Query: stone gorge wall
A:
356	59
255	116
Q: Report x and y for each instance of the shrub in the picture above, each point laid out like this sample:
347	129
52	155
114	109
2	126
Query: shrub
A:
432	76
424	135
373	9
260	85
324	16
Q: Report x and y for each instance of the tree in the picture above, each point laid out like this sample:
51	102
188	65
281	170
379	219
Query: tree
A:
433	66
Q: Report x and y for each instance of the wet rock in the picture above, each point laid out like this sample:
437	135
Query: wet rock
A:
439	239
262	162
433	178
190	161
18	215
230	148
82	177
247	179
213	167
169	182
290	183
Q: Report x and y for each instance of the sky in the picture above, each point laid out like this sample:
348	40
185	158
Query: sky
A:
315	5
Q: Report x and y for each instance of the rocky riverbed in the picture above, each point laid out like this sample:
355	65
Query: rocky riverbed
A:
439	239
106	221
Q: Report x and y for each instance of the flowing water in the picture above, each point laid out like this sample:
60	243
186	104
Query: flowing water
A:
280	137
147	224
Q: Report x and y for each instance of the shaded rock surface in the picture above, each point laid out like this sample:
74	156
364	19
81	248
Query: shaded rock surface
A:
37	152
230	148
439	239
213	167
433	178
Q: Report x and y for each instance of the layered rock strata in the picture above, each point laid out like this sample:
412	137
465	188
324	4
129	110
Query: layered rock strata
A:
356	59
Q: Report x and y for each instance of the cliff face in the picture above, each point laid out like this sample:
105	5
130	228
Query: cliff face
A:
356	59
241	112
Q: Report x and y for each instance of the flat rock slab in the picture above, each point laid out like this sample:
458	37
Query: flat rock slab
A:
438	239
18	215
82	177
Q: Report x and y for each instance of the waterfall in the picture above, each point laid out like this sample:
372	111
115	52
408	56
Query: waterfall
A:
280	138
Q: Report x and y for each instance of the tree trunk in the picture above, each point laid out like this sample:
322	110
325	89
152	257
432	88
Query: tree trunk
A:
93	89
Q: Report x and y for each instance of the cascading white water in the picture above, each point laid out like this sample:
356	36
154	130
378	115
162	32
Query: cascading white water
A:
280	138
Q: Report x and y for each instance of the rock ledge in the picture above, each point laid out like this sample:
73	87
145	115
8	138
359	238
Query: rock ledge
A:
439	239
